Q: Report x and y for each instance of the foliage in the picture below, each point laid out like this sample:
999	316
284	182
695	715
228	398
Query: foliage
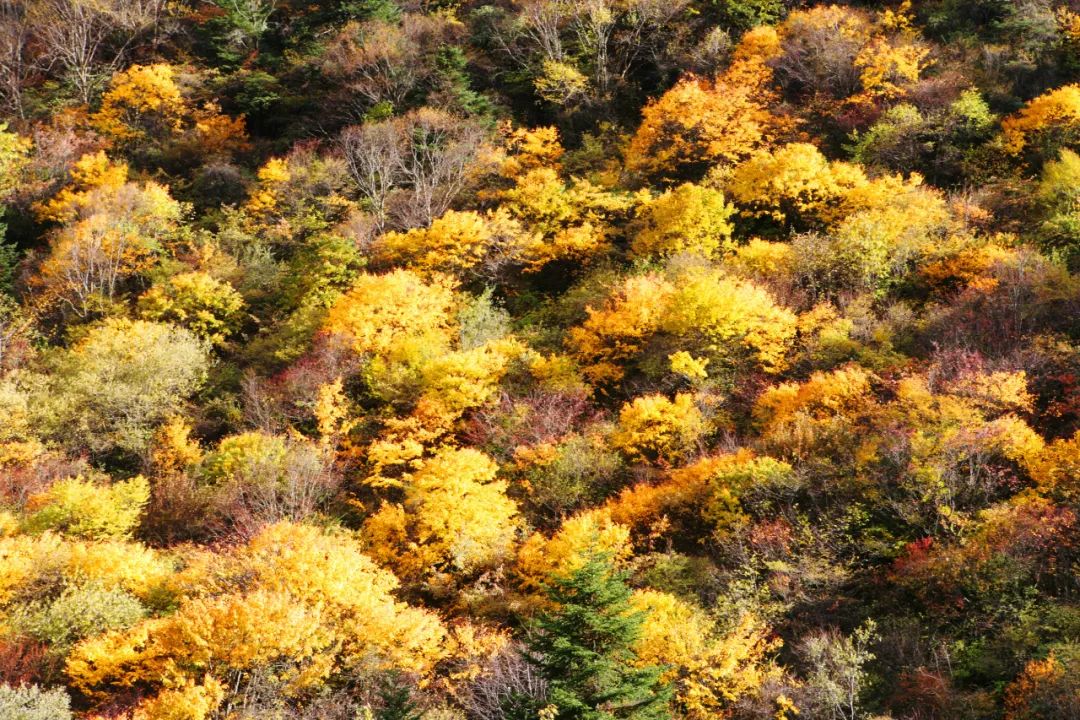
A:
81	508
655	428
690	218
583	648
32	703
539	359
116	384
206	306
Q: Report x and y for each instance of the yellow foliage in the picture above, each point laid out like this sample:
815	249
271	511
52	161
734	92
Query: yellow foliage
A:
174	449
332	411
716	316
690	367
266	196
90	172
794	184
691	218
141	101
618	331
455	516
459	243
381	312
845	390
82	508
761	259
301	601
110	563
211	636
208	307
569	548
1057	111
531	148
564	220
887	68
191	701
14	158
655	428
711	669
699	123
330	570
1056	469
996	391
719	314
560	82
685	490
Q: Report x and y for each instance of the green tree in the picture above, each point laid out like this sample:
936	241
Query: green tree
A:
396	699
583	648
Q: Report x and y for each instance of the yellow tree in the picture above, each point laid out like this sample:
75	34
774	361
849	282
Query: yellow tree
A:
703	122
1045	125
691	219
302	601
462	243
700	311
710	668
455	518
142	103
380	313
113	231
795	186
654	428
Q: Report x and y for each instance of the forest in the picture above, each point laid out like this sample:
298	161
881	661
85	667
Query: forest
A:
539	360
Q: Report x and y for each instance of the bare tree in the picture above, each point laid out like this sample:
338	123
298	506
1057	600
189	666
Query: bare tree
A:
17	62
88	39
410	169
507	676
262	491
376	61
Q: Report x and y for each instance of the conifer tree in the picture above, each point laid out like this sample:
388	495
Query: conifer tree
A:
583	649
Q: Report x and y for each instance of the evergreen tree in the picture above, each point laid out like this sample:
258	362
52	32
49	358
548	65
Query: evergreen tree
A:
396	699
583	648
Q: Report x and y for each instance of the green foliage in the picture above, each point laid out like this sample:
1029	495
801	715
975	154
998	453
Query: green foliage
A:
583	648
29	702
108	392
939	144
80	611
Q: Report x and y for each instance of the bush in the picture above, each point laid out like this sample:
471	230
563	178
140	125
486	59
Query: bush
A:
79	612
32	703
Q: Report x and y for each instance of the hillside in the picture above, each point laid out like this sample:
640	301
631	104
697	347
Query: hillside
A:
539	360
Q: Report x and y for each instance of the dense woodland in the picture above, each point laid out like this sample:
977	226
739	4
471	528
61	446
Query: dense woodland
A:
539	360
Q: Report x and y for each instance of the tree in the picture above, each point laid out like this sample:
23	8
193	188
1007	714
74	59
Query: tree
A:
583	647
381	313
411	168
837	674
467	244
691	218
654	428
209	307
795	186
455	518
89	38
80	508
700	122
110	391
143	104
710	668
1045	125
114	233
30	702
250	19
